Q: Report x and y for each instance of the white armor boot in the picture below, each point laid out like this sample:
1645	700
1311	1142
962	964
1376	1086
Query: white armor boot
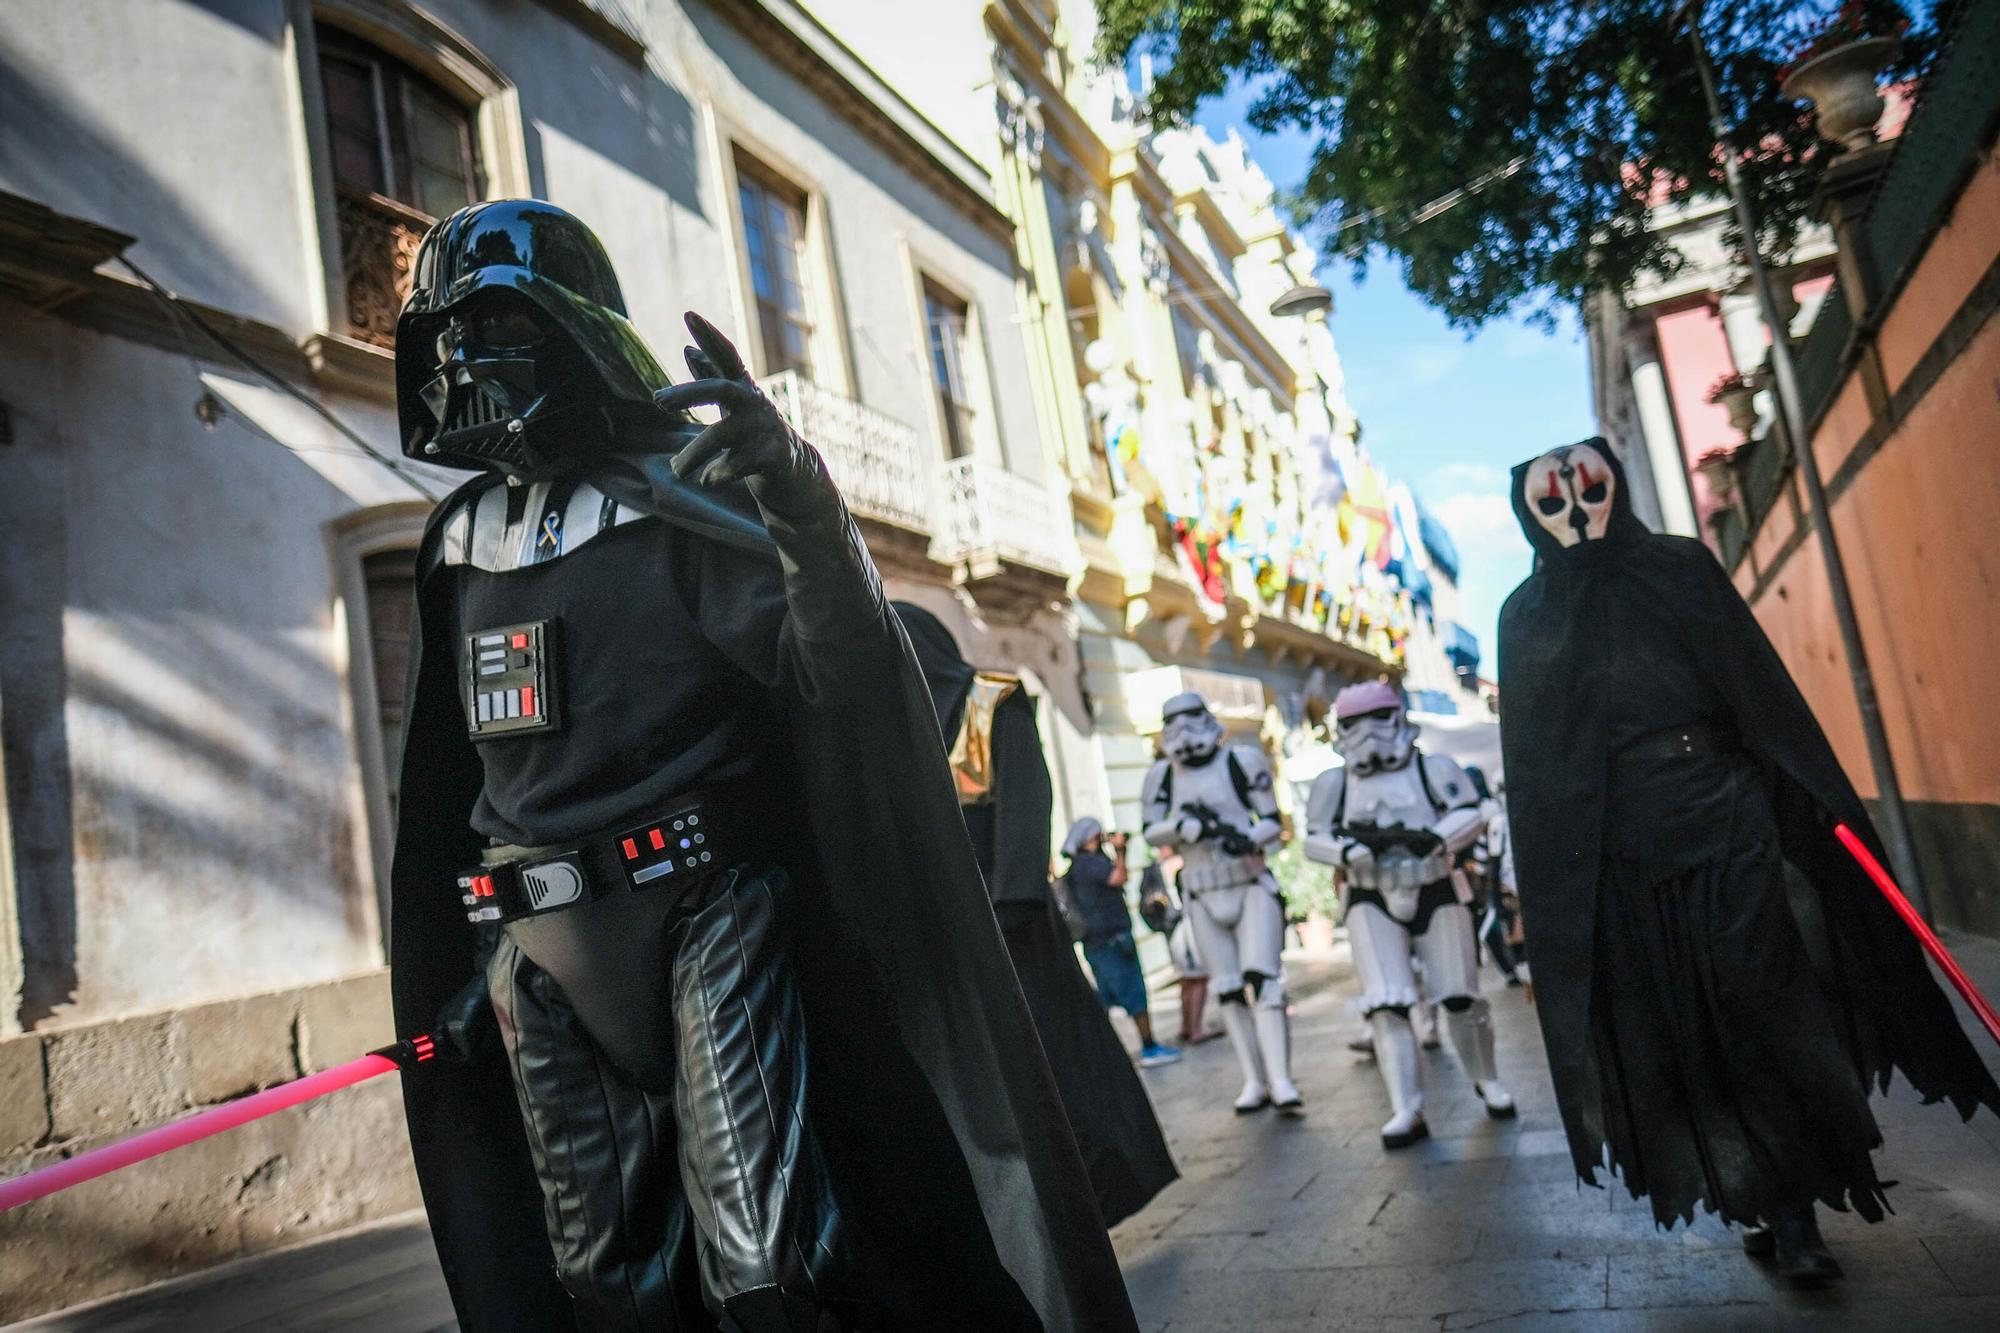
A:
1396	1056
1472	1037
1242	1029
1274	1041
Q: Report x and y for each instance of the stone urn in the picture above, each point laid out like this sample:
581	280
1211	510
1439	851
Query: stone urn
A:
1738	397
1840	83
1717	467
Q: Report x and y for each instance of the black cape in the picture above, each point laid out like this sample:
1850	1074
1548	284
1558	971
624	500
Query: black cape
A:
1652	594
1123	1147
929	1081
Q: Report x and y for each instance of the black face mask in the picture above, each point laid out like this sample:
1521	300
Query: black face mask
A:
505	377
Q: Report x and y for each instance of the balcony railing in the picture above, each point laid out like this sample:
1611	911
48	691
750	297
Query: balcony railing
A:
989	512
378	250
875	460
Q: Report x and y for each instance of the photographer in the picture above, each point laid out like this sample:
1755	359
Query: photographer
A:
1096	880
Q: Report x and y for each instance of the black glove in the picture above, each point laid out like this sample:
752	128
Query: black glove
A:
753	442
465	1028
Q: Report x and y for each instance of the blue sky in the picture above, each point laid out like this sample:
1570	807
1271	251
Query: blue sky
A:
1447	414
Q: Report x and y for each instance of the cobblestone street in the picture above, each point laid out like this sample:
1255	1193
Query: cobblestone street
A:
1308	1225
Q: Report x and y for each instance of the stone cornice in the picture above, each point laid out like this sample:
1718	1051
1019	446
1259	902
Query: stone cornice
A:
805	49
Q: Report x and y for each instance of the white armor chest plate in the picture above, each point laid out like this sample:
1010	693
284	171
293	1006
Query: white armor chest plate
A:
1392	797
1206	864
1395	797
478	534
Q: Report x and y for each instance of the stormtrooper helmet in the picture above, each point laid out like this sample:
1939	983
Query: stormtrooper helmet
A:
1571	492
1190	734
1371	730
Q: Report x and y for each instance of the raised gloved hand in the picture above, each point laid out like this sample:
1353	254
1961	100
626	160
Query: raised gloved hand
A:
752	442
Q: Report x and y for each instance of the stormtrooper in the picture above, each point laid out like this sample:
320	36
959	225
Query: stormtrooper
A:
1216	804
1395	821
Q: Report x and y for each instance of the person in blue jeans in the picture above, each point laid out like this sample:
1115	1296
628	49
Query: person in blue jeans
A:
1097	888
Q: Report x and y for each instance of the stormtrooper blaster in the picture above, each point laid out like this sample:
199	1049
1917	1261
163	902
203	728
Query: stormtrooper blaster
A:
70	1171
1214	828
1405	858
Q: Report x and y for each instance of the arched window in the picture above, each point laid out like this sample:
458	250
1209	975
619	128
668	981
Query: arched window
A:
405	153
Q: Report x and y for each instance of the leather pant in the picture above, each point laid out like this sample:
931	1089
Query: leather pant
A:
682	1185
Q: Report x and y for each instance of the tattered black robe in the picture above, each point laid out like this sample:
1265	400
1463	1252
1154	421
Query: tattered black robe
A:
931	1095
1719	983
1123	1148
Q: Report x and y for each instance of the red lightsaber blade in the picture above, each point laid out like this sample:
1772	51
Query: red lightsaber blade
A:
1918	927
165	1138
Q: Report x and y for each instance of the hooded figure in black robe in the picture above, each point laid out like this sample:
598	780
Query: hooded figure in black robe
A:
1719	983
1004	792
926	1102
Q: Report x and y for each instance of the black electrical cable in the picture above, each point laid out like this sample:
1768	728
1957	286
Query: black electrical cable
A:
177	307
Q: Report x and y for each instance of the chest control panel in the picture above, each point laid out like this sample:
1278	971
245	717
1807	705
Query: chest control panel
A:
510	680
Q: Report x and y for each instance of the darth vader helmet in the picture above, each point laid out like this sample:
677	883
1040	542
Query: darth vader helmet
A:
514	353
1189	733
1370	729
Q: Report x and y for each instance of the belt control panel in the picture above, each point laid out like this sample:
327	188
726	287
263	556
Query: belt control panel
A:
666	847
510	680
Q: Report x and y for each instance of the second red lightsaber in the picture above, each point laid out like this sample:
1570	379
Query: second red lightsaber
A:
1920	928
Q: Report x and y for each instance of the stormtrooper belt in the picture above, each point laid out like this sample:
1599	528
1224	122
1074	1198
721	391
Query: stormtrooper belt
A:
1224	872
686	841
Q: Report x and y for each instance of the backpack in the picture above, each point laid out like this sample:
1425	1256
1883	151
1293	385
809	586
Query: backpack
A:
1066	907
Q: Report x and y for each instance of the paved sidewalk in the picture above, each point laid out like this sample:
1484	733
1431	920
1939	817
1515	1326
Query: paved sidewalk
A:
1309	1225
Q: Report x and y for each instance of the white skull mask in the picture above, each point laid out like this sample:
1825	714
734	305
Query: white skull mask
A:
1570	492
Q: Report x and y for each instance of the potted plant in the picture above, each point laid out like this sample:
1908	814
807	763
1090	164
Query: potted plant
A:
1836	72
1737	395
1311	900
1717	467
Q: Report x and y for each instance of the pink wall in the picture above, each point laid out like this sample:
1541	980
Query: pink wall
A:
1694	352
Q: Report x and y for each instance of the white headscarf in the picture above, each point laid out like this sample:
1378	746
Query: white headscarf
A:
1081	832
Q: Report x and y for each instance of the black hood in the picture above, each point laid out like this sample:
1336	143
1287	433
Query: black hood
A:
1622	528
526	250
946	672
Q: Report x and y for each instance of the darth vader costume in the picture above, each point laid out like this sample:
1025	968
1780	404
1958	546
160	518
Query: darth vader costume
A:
673	811
1719	983
988	722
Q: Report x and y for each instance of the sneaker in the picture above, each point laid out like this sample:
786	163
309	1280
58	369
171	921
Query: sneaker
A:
1153	1056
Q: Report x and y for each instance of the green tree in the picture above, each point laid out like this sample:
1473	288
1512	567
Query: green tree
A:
1505	152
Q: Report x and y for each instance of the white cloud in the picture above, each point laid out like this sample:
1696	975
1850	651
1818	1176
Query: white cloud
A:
1482	525
1428	365
1461	478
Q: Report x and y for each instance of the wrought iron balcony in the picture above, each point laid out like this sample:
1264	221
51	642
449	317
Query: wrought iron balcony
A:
989	513
876	460
378	250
